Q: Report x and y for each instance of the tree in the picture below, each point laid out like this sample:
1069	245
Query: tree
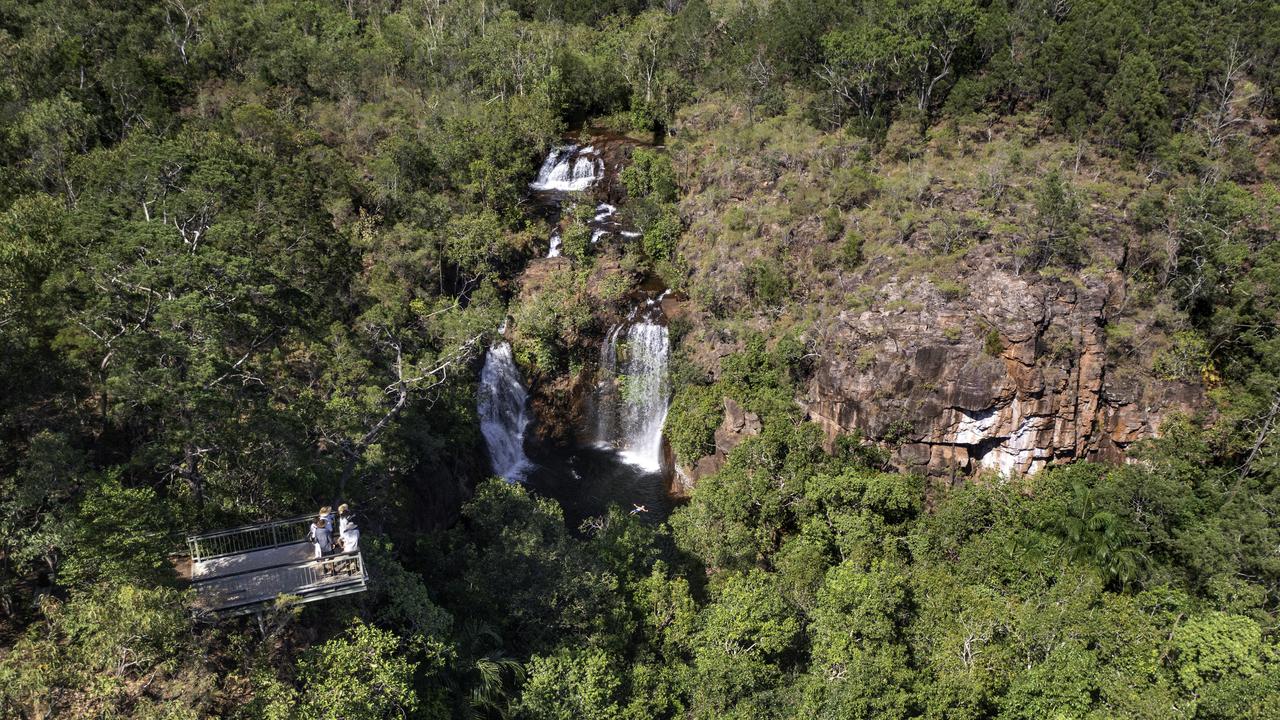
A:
1135	116
571	685
1215	646
116	536
859	69
1057	212
518	570
939	31
361	675
51	132
861	668
745	635
99	651
642	54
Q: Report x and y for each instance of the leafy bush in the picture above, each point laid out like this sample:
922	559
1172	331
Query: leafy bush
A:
659	239
692	419
832	224
549	327
767	283
1186	357
649	175
850	252
992	343
1058	217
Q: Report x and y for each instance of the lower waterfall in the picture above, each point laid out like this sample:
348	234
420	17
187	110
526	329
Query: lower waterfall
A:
634	392
503	406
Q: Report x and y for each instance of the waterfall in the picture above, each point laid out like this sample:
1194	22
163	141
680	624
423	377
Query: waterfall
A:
568	169
632	397
556	244
503	407
604	211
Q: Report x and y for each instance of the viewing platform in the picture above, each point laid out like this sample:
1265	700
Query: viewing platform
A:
245	569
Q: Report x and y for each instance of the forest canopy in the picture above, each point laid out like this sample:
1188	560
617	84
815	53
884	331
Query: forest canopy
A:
251	252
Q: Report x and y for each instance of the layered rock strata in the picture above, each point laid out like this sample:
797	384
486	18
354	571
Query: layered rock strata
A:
1011	378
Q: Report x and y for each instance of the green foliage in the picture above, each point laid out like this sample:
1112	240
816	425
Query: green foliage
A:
362	674
116	535
1135	108
992	343
549	327
649	176
90	653
763	378
832	224
1094	535
767	283
52	131
1058	219
249	251
1186	358
860	666
575	241
659	239
526	575
692	420
744	633
1217	645
850	252
571	685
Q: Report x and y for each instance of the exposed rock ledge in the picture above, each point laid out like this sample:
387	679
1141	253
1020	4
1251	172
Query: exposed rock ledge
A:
738	425
929	378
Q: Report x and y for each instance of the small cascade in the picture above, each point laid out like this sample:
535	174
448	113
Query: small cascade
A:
569	168
503	406
634	391
604	211
556	244
604	222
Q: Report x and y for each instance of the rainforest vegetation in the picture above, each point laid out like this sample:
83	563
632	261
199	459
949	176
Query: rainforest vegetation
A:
251	252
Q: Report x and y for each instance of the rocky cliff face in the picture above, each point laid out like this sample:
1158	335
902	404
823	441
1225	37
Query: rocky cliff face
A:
1012	377
903	266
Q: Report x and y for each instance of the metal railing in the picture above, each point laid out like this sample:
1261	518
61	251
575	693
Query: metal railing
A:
307	581
248	538
326	570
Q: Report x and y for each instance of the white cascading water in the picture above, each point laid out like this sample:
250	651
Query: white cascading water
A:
568	169
503	406
556	245
632	398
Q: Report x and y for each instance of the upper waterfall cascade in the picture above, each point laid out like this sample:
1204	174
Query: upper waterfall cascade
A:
569	168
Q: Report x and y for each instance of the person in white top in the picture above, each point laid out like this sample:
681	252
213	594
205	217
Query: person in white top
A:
350	535
321	538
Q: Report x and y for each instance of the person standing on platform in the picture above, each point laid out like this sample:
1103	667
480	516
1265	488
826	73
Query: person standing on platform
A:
321	538
350	535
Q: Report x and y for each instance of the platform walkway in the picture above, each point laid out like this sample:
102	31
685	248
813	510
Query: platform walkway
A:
245	569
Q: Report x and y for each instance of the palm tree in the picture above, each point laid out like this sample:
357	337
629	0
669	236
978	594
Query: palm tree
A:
484	668
1096	536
